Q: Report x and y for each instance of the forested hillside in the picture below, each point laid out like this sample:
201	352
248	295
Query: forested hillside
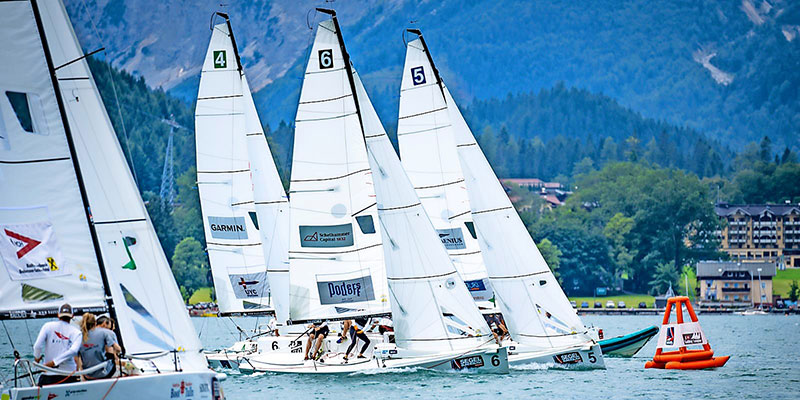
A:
730	69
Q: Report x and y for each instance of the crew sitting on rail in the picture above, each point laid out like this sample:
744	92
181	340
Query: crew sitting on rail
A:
319	331
498	327
58	343
99	346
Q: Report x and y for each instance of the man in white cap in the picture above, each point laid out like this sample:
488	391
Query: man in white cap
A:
58	343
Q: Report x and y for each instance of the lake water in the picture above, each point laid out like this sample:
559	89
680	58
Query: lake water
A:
765	363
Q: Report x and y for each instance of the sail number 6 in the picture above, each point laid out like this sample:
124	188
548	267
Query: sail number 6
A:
326	59
418	75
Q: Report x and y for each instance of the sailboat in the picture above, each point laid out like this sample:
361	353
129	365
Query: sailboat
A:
437	325
542	324
73	227
429	157
244	206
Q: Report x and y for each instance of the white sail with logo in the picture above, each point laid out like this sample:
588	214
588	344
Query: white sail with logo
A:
225	184
336	264
535	308
152	318
428	154
46	256
431	307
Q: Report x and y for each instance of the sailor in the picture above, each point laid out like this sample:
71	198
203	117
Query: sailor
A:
498	327
357	327
319	331
99	345
58	343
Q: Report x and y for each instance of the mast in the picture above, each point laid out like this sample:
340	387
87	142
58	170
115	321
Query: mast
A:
76	165
348	67
430	60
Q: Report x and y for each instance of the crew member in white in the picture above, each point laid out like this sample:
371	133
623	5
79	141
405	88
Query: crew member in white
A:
58	343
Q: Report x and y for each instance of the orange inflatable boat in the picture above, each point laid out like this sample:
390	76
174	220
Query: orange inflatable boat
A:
681	335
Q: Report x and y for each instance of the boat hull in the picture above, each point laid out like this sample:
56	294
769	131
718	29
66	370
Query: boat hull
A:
573	357
484	361
627	345
190	385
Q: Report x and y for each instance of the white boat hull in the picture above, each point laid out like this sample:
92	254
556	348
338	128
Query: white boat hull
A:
573	357
180	385
486	361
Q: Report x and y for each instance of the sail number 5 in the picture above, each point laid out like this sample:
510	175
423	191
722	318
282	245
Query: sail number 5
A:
326	59
220	59
418	75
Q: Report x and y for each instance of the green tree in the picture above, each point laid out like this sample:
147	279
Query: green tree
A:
622	248
665	275
794	291
551	255
190	266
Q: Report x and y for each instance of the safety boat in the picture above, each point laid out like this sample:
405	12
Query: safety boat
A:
683	335
344	261
460	190
627	345
82	235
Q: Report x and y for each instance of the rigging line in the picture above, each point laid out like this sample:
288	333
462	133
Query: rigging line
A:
116	96
13	346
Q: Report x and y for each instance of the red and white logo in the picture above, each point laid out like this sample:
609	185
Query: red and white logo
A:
25	243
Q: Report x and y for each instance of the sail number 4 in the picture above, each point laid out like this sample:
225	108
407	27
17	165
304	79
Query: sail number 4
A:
220	59
326	59
418	75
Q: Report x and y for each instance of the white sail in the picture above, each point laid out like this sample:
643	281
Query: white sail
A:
335	256
535	308
224	181
428	153
152	317
431	307
46	256
272	208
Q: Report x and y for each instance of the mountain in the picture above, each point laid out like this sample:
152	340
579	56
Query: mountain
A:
730	69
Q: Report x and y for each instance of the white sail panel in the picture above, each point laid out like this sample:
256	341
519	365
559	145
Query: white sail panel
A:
46	254
535	308
152	316
272	208
335	256
224	182
431	307
428	153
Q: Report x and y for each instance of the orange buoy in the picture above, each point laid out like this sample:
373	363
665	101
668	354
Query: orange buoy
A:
680	335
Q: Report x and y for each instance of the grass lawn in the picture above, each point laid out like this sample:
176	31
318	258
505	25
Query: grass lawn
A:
631	300
781	281
202	295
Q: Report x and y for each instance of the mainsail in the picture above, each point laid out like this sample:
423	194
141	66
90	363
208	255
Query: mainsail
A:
535	308
335	255
231	155
429	156
64	172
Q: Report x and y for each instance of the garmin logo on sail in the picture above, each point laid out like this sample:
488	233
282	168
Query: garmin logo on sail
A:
326	236
452	238
227	228
346	291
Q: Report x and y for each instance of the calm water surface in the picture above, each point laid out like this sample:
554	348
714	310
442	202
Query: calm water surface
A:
765	363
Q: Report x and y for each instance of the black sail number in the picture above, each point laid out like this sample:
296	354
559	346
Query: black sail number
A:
326	59
418	75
